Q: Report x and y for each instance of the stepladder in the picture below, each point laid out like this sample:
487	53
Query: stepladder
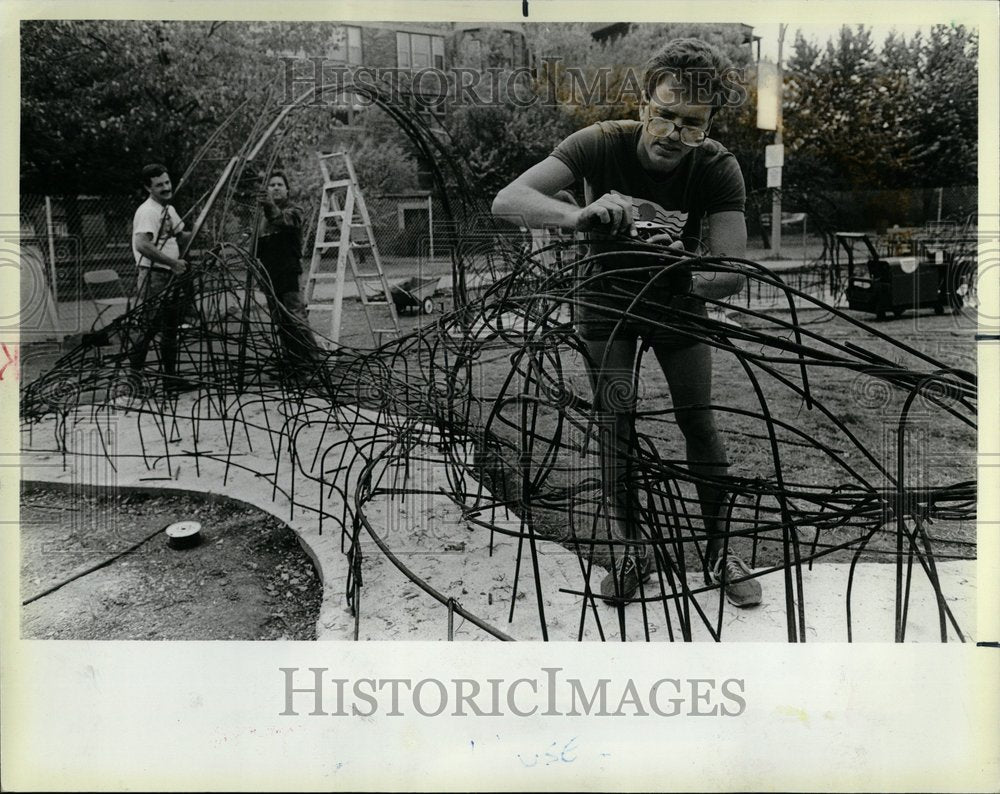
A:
345	245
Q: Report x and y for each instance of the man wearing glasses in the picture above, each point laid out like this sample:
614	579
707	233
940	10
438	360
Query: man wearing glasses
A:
655	179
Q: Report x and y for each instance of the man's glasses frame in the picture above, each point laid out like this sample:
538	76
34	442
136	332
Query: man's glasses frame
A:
659	127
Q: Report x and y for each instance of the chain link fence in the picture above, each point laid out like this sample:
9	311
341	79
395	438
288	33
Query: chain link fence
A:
80	233
875	212
910	222
77	234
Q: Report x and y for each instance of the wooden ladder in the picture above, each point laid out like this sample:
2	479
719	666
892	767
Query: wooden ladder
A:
344	226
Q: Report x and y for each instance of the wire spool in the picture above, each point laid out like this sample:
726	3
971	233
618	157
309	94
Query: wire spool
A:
184	534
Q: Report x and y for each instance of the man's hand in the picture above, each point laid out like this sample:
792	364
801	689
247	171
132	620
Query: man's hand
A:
179	267
611	213
666	237
271	210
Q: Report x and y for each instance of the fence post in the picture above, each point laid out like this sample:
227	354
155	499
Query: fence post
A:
50	233
430	222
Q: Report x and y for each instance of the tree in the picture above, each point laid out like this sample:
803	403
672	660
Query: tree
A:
500	142
901	117
829	111
101	98
944	110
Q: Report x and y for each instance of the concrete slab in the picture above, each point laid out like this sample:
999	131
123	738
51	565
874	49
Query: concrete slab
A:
239	449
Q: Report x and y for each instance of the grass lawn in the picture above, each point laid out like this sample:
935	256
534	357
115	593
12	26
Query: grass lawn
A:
817	459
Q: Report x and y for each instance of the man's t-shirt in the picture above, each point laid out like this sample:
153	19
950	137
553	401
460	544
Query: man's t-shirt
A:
164	224
708	179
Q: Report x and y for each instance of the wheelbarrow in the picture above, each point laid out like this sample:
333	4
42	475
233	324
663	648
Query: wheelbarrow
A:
414	294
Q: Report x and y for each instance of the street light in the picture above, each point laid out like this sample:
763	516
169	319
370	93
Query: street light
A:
769	96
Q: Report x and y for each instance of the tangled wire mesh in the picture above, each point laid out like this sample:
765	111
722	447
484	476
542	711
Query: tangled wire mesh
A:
494	396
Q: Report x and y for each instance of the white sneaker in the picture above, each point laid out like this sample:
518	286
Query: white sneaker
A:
726	572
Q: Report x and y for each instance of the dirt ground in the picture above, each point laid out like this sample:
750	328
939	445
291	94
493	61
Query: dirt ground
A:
941	451
248	580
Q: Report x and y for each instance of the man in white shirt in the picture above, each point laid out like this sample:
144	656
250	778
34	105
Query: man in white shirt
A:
157	238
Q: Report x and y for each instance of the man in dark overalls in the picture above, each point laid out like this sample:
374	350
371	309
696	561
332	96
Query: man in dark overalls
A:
279	248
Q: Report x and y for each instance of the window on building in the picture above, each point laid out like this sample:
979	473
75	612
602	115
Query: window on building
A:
354	45
425	176
403	50
473	53
419	51
347	45
420	47
512	53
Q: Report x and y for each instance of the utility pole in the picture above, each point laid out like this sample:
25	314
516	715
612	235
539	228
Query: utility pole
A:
779	147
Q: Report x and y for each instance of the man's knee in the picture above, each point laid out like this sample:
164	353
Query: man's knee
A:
295	307
615	394
697	424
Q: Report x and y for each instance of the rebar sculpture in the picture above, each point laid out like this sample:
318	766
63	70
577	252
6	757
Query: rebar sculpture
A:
494	397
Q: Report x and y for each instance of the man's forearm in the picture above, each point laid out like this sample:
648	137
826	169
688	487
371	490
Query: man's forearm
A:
716	286
727	238
278	216
154	254
528	207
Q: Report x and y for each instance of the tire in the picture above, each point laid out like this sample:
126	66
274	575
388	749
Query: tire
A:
428	306
939	308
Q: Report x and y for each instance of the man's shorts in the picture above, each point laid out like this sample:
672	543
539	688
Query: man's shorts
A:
662	316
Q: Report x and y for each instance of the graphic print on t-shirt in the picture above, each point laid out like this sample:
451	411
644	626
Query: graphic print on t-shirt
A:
650	218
